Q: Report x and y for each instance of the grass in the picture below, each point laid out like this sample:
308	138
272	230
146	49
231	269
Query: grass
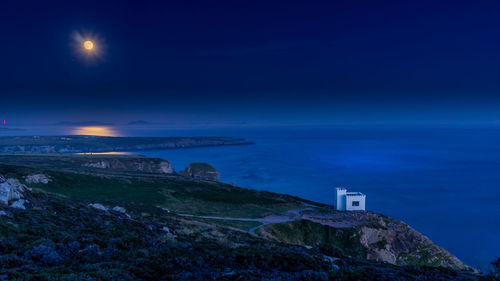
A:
305	232
79	163
62	239
380	244
422	256
201	167
71	233
243	225
177	194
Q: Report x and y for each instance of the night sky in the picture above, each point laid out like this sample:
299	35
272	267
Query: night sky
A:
251	62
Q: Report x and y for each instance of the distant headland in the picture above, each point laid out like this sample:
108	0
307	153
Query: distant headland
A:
87	144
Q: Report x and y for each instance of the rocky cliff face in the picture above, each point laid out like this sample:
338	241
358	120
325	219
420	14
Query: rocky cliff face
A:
365	235
84	163
148	165
397	243
201	171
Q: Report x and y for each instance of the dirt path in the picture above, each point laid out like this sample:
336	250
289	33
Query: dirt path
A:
337	220
290	215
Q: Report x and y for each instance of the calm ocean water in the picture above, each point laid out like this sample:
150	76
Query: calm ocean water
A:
443	182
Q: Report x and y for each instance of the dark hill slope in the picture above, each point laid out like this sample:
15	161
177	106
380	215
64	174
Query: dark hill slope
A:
177	193
57	238
367	235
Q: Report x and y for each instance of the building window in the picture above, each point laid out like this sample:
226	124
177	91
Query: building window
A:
355	203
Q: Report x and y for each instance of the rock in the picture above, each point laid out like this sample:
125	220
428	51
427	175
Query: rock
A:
11	190
99	164
4	193
201	171
98	207
166	167
2	179
166	229
371	236
37	178
332	261
136	164
3	213
119	209
397	243
19	204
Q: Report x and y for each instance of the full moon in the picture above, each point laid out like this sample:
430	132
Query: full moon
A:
88	45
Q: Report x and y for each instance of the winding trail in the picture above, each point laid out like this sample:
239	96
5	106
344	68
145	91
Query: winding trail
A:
337	220
290	215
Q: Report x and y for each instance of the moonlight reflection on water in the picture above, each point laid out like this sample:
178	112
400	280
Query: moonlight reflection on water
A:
103	131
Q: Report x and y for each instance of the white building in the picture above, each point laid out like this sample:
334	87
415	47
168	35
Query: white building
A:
349	201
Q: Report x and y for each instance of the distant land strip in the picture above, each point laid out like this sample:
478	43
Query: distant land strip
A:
90	144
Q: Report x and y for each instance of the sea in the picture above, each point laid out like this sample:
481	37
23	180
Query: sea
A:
443	182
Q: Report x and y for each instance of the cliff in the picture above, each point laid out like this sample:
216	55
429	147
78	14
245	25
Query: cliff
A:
148	165
101	164
364	235
201	171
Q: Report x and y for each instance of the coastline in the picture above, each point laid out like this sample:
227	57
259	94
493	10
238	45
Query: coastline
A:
87	144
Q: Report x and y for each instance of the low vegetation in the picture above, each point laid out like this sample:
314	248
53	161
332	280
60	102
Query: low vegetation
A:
63	235
57	238
176	193
308	233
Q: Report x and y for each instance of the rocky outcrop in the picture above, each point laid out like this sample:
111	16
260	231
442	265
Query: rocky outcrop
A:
119	209
397	243
101	164
98	207
11	193
133	164
364	235
166	167
201	171
37	178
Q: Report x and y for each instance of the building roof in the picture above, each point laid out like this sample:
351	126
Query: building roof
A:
354	194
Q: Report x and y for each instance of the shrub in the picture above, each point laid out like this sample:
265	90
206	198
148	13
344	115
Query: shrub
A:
44	255
495	268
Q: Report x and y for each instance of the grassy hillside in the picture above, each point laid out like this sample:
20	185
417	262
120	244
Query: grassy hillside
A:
57	238
308	233
122	165
363	235
175	193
